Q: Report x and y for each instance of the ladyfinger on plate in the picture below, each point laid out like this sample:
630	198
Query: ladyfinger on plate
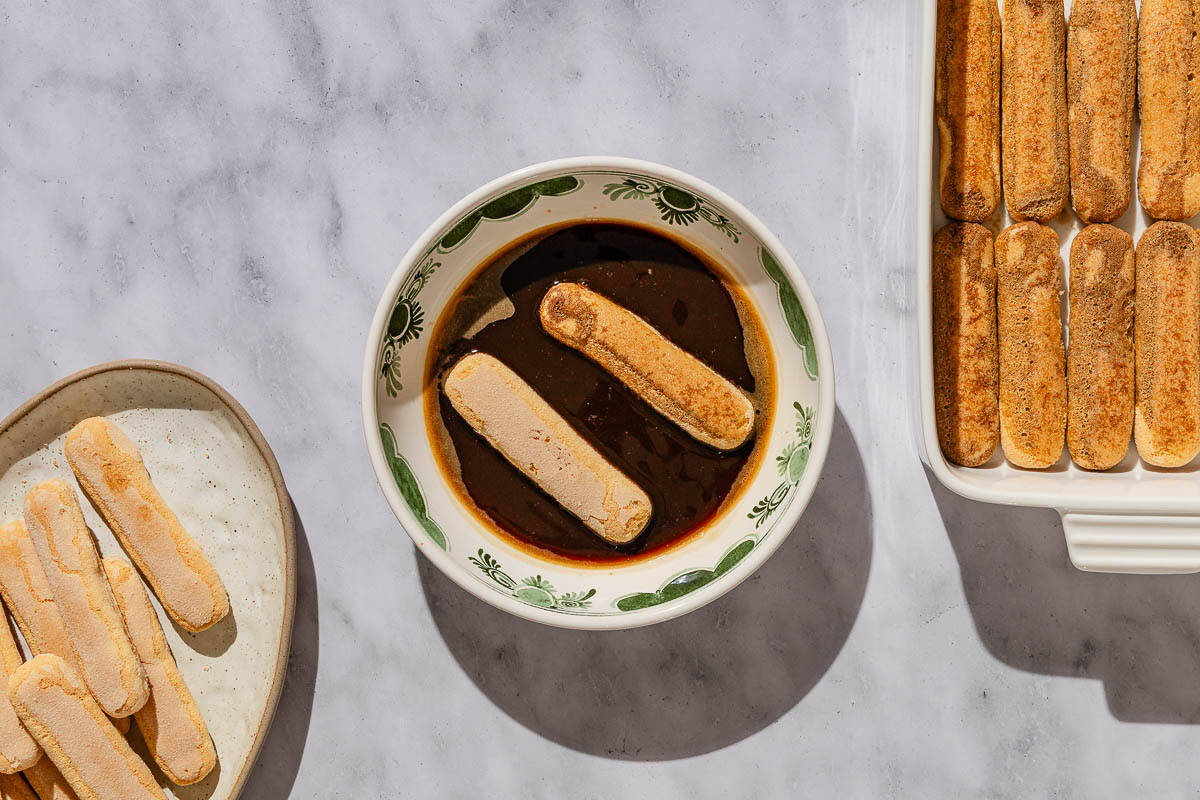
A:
170	721
1101	90
965	373
967	107
1100	350
515	420
48	782
18	750
14	787
28	597
675	383
109	467
1033	380
1034	107
1166	338
1169	98
68	554
73	731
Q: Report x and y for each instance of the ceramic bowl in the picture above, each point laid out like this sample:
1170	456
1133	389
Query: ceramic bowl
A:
629	594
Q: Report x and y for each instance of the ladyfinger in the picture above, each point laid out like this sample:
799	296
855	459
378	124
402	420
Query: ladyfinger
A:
675	383
1166	337
1169	98
523	427
1033	380
1100	349
18	750
1034	104
109	467
64	544
965	375
28	597
73	731
48	782
1101	91
170	722
14	787
967	106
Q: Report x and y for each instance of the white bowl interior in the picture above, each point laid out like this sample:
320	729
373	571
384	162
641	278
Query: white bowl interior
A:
632	593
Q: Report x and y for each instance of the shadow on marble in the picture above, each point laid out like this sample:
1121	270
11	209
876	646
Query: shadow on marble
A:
1138	634
279	760
694	684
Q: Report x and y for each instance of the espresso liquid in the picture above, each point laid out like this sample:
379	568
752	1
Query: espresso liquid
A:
496	312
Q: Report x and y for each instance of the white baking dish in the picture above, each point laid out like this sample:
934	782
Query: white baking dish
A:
1133	518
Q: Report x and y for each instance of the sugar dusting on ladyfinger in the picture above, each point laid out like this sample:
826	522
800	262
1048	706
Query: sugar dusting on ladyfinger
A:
678	385
523	427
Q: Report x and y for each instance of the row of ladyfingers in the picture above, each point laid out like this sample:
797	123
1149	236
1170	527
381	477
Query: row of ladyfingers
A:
1061	99
99	651
1133	360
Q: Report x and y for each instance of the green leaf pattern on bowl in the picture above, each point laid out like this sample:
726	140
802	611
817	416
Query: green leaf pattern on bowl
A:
688	582
508	206
791	463
675	206
793	311
410	487
536	591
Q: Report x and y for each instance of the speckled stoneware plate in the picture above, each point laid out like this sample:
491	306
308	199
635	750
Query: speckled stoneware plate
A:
213	466
748	529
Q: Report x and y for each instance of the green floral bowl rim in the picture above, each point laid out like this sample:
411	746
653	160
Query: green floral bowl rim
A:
821	435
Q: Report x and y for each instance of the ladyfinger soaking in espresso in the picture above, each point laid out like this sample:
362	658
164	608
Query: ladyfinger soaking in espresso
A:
967	105
643	373
1034	106
529	433
677	384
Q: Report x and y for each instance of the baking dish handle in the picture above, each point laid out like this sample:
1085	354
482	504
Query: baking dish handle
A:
1133	543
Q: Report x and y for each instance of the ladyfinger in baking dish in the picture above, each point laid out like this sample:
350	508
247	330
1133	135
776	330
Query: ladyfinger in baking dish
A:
1033	382
71	728
1034	108
1101	93
514	419
110	470
965	373
68	554
675	383
1167	345
170	722
1169	99
1100	349
967	107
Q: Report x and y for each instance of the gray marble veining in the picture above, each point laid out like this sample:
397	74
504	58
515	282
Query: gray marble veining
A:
230	185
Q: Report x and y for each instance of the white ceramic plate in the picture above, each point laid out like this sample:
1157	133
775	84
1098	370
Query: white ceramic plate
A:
1132	518
212	465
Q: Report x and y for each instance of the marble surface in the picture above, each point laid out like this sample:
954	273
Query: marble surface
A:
230	185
